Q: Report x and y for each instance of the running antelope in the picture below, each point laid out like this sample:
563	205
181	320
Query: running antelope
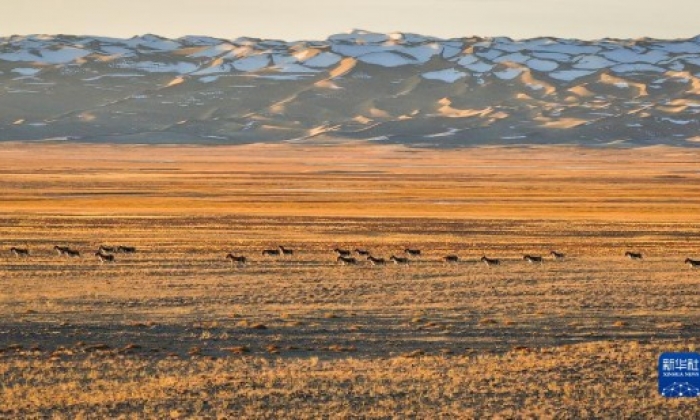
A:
490	261
126	249
73	253
64	250
533	259
61	250
104	257
286	251
557	255
342	252
633	255
241	260
450	259
271	252
412	252
108	249
19	252
346	260
376	261
362	252
399	260
692	263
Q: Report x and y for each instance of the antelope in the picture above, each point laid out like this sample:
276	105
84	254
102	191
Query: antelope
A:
286	251
376	261
126	249
241	260
73	253
342	252
362	252
346	260
490	261
61	250
271	252
19	252
692	263
399	260
103	257
533	259
557	255
633	255
412	252
109	249
64	250
450	259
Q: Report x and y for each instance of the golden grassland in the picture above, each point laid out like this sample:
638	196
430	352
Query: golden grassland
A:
655	183
174	330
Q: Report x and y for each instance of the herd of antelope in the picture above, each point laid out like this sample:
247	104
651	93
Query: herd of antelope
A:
345	257
105	254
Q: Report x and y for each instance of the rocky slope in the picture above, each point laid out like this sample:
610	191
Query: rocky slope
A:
398	88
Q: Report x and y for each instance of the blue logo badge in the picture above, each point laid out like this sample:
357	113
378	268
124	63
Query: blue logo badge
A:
679	375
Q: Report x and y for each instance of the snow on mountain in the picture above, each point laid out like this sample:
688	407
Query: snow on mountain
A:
447	75
364	84
324	59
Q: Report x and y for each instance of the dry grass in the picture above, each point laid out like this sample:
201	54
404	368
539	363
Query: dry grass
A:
175	331
601	379
656	183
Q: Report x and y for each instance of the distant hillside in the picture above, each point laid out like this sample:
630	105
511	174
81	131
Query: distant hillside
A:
397	88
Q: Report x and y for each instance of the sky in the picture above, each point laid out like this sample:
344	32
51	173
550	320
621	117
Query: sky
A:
315	19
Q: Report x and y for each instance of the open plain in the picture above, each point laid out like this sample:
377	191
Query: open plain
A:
176	330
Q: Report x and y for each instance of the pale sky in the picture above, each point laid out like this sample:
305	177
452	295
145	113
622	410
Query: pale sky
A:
316	19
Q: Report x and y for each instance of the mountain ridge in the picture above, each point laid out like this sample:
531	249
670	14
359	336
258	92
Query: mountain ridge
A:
396	88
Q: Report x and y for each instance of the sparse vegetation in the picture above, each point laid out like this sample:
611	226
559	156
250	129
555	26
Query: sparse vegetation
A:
173	330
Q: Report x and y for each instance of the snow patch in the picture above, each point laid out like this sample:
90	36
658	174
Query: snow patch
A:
360	37
324	59
679	47
447	75
448	133
63	55
467	60
637	68
514	58
422	53
294	68
358	50
542	65
157	67
677	122
25	71
479	67
592	62
490	54
570	49
630	56
283	76
252	63
569	75
508	74
448	51
209	79
385	59
92	79
552	56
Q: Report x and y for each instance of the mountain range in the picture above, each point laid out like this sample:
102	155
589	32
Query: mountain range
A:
386	88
